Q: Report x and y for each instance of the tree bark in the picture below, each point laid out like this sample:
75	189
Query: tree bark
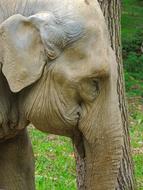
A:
112	12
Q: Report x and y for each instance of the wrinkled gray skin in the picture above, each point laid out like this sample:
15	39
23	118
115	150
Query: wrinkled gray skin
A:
59	72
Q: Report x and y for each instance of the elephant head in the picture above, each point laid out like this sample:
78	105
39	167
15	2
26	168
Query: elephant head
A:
64	73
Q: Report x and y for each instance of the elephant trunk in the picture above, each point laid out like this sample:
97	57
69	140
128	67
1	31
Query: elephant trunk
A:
103	139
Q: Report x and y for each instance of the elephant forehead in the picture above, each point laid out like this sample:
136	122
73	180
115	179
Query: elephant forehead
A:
82	60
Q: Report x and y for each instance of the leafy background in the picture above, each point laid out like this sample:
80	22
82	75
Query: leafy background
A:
132	40
55	166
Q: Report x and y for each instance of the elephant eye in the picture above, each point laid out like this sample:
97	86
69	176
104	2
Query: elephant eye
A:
96	84
89	89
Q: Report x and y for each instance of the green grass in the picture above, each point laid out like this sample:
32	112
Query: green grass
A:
138	160
55	166
136	134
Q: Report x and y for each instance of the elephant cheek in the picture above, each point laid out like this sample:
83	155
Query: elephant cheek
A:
56	122
48	113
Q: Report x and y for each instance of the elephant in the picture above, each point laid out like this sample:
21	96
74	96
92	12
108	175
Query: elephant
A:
58	72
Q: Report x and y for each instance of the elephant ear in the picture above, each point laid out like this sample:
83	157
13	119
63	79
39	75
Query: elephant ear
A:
22	52
27	42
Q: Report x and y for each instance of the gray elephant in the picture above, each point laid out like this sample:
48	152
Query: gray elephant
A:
59	73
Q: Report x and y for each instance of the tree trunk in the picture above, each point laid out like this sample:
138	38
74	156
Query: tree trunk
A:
112	12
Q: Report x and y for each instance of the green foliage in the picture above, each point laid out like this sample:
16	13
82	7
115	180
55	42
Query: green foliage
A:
132	39
134	87
132	18
134	64
132	54
132	44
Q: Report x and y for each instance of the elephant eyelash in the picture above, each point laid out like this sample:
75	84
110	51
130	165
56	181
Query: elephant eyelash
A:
96	84
0	65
